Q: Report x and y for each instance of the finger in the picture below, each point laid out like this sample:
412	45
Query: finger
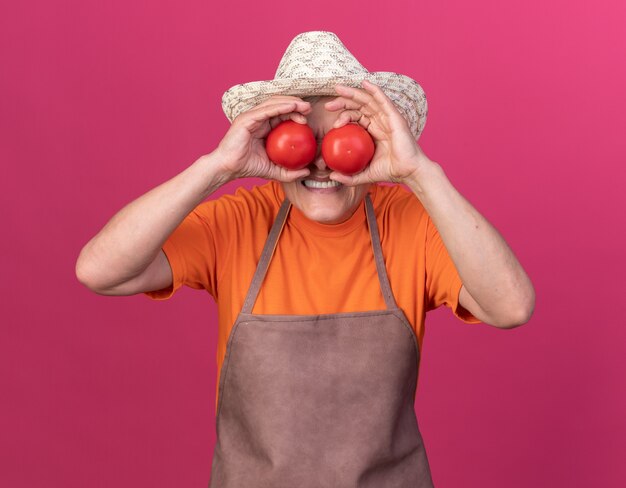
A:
287	175
269	104
352	180
387	106
260	114
377	93
349	116
359	96
275	121
342	103
377	105
301	107
282	98
295	116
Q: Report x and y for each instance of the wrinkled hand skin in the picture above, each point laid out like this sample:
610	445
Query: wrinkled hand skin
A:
398	158
242	150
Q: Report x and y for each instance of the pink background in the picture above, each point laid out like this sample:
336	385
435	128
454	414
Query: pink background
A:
102	101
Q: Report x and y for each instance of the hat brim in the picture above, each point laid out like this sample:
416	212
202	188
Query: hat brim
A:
406	93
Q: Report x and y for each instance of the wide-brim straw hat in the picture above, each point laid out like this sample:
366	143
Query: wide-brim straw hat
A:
313	64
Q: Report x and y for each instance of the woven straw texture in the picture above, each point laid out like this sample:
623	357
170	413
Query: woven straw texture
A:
313	64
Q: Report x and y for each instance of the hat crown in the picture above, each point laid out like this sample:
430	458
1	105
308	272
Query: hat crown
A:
318	54
313	64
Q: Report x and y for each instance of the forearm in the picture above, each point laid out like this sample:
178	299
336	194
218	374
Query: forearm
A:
487	266
130	241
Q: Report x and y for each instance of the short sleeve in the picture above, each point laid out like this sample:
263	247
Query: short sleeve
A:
443	283
190	250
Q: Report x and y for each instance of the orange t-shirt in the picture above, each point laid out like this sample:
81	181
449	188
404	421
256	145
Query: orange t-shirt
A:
316	268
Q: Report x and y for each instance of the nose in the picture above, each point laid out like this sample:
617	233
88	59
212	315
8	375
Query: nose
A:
318	161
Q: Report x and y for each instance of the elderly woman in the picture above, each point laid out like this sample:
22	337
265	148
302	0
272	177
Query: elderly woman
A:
322	280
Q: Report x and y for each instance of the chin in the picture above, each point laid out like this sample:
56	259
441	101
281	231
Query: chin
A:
325	207
325	216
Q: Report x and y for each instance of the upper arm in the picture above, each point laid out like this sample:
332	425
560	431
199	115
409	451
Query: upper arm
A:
157	276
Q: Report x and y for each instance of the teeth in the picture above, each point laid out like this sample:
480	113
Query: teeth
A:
320	184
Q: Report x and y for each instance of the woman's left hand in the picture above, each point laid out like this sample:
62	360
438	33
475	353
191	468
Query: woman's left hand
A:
397	156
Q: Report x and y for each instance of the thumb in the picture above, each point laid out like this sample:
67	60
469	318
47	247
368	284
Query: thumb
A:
352	180
287	175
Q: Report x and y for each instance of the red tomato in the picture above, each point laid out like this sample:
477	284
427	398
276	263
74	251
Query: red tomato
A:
291	145
348	149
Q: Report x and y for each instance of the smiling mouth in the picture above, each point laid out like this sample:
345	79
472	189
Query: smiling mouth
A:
320	184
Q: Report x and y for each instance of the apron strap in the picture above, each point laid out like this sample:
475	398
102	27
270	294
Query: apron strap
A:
270	247
378	255
266	256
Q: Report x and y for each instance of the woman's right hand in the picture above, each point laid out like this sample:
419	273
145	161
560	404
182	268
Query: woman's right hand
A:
242	150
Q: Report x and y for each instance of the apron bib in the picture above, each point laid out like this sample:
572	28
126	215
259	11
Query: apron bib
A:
319	400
